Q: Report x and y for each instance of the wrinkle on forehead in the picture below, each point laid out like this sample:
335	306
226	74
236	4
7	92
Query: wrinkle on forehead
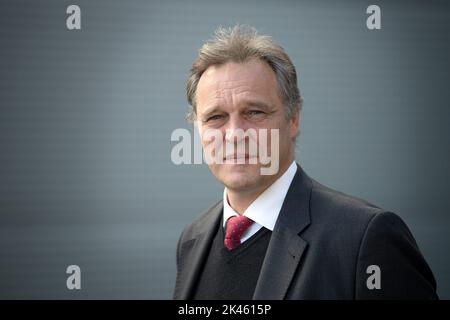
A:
228	84
232	90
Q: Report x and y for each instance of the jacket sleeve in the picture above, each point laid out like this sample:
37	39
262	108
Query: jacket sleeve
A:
178	263
390	265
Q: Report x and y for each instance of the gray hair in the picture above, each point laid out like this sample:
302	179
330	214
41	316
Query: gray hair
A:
241	44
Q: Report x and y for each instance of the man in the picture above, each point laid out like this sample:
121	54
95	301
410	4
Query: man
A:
281	235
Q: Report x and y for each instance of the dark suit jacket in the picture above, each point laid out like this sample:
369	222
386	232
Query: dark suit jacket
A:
320	248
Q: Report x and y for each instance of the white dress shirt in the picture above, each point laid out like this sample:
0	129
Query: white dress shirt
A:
265	209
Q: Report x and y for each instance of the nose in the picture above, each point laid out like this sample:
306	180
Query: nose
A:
235	124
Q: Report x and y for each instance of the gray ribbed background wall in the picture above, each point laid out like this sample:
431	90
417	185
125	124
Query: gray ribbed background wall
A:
86	118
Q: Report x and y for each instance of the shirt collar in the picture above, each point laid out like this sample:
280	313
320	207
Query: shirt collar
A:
266	208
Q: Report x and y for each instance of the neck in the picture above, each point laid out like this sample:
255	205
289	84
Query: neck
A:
240	200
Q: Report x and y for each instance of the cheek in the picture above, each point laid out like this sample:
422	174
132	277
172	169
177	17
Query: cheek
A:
280	139
208	136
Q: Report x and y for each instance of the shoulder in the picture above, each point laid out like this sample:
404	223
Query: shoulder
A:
346	223
200	224
337	209
367	235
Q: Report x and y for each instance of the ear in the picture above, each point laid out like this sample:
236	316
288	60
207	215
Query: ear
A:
294	122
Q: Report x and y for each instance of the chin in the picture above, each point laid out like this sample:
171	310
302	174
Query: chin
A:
239	177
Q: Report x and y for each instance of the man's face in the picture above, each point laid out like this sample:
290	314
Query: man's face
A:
244	96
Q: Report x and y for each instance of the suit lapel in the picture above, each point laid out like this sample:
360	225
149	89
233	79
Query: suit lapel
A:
286	247
199	252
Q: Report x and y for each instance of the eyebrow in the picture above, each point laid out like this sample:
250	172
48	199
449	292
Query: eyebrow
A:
250	103
259	104
210	111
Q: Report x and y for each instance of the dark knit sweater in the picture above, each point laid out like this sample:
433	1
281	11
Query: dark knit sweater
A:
232	274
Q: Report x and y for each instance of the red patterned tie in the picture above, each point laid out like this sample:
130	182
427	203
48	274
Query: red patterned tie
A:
236	226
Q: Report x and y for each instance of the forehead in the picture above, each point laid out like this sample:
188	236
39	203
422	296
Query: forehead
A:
232	81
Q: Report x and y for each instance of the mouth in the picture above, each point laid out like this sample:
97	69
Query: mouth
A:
232	158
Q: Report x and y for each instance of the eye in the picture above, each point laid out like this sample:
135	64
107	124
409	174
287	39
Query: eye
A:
215	117
252	113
